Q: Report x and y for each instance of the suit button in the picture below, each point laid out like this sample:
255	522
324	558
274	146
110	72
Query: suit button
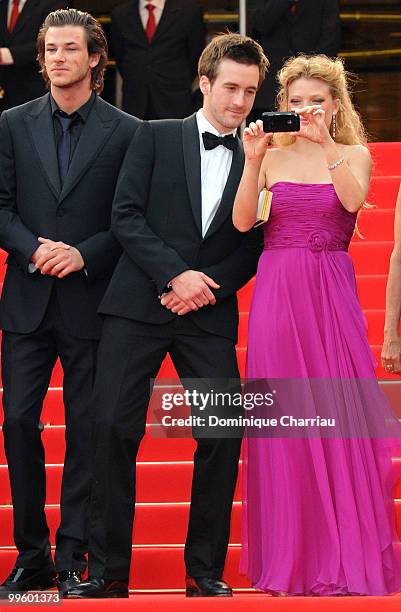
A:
60	213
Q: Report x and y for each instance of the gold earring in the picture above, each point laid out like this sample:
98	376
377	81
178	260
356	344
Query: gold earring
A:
334	126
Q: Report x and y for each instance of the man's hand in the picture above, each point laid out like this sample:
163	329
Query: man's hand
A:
57	258
192	287
172	302
46	251
63	263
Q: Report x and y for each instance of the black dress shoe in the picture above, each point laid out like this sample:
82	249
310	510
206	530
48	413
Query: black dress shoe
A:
21	580
207	587
67	580
98	588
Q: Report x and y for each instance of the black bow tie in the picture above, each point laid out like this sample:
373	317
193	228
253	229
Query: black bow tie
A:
211	141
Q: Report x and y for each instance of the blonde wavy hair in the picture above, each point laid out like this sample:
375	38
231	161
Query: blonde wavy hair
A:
349	127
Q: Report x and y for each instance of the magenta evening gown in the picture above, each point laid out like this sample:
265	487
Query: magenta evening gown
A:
318	516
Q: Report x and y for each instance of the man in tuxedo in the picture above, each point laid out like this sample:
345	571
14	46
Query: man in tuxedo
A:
20	21
157	44
287	27
60	157
174	291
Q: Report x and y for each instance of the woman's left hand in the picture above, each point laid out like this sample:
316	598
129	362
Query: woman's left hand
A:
391	354
313	124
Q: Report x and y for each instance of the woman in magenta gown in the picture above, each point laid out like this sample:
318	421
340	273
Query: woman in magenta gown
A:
318	511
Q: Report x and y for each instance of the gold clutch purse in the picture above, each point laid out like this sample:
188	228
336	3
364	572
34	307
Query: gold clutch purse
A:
264	207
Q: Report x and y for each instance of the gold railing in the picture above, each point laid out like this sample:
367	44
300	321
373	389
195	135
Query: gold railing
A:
358	16
375	53
345	16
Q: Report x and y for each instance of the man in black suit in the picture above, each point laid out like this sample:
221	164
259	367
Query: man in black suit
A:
60	157
157	44
287	27
181	256
20	21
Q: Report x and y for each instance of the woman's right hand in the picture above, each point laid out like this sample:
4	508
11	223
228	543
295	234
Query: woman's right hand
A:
391	354
255	141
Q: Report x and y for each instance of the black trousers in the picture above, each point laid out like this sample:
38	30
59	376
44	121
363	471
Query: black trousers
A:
27	364
130	354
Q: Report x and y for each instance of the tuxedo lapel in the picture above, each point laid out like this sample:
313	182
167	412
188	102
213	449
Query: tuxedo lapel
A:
40	127
226	204
24	16
192	161
168	16
97	131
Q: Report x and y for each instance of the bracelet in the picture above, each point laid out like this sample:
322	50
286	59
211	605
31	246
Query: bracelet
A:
336	164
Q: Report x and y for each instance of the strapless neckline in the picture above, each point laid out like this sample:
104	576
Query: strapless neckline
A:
298	183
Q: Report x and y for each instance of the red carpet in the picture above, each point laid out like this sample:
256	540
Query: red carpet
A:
239	603
164	471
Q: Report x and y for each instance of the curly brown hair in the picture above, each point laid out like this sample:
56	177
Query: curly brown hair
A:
350	129
96	38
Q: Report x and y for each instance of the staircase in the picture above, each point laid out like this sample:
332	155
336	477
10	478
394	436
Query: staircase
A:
165	465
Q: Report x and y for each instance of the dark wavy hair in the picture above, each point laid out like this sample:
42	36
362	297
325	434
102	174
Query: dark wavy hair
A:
97	42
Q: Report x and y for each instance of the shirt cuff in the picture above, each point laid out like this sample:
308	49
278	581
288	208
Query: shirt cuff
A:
5	56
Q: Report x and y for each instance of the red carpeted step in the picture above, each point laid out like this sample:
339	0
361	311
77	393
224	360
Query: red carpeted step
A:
377	224
151	449
372	291
383	192
244	296
167	370
386	158
154	567
371	257
163	569
155	524
156	482
375	319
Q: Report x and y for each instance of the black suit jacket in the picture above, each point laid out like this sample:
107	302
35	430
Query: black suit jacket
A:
33	204
164	68
313	28
157	219
21	81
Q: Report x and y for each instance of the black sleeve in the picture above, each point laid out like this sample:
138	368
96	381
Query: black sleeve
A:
102	251
330	36
238	268
15	237
117	40
160	262
196	40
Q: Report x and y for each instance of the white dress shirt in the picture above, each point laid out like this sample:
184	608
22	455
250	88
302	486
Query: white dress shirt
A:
144	13
215	168
5	54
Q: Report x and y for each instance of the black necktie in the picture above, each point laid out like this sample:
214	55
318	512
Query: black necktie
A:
211	141
64	144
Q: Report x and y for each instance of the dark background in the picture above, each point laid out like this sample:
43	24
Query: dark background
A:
371	48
